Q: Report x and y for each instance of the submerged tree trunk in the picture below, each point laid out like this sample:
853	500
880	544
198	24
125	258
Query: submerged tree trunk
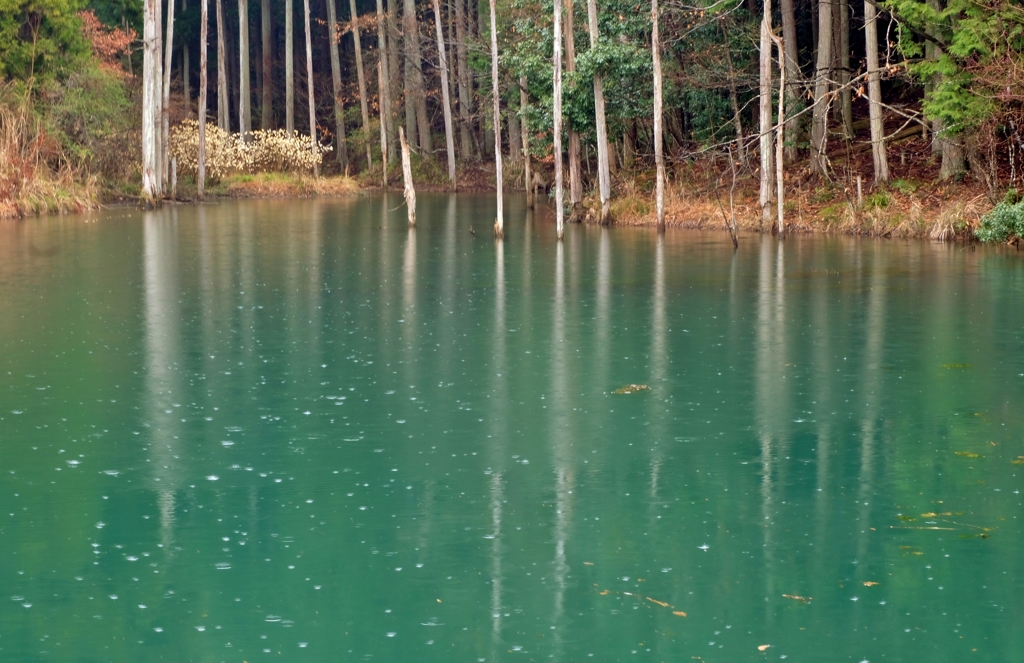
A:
819	117
499	226
223	106
309	85
414	70
659	154
792	75
881	161
267	54
165	105
289	67
767	158
203	38
244	81
575	174
465	83
557	120
448	130
604	177
361	77
384	91
410	189
339	117
527	169
150	82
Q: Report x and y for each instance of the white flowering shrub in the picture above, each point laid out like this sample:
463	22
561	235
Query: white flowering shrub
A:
271	150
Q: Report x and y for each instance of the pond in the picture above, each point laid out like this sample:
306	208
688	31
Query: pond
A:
301	431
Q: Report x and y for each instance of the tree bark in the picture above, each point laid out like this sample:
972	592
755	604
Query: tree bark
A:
527	168
244	77
557	120
659	153
792	76
289	67
223	105
845	96
780	197
150	87
767	158
267	54
819	117
165	104
603	166
185	66
410	189
499	226
309	85
363	104
341	145
415	71
203	38
384	90
575	176
448	129
465	83
881	161
397	79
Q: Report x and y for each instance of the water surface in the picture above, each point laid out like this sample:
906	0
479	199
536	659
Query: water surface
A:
301	431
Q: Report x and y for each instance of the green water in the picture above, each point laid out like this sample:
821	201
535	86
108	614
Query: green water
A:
298	431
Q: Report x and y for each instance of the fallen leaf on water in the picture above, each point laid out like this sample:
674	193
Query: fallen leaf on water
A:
932	514
661	603
762	647
956	365
802	599
679	612
605	593
968	454
1018	461
589	563
950	529
631	388
870	583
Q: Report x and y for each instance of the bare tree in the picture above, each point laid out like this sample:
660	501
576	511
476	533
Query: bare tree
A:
381	87
185	66
659	152
843	71
765	107
363	103
410	188
384	90
150	86
223	117
244	81
165	106
575	175
881	161
819	116
415	93
267	54
309	85
448	132
203	29
289	66
604	177
792	74
557	119
339	110
527	174
465	83
499	230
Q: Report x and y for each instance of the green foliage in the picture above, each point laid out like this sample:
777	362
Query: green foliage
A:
40	39
877	200
1005	222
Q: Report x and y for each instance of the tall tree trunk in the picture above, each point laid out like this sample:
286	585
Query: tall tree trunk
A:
792	76
244	79
185	82
267	54
408	91
819	117
150	84
767	158
363	104
419	97
734	99
289	67
397	79
384	90
341	145
309	85
527	168
499	226
780	197
203	38
604	177
659	154
575	176
223	105
845	96
557	120
165	105
878	154
410	188
158	164
448	130
465	98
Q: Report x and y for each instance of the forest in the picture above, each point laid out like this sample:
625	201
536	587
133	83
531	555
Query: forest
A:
892	118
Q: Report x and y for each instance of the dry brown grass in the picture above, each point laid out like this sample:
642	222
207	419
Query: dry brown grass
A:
284	185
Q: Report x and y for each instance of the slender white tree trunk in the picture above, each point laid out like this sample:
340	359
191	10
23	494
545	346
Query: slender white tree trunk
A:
309	85
465	83
659	152
604	177
410	189
384	90
185	66
765	106
244	82
780	137
575	174
448	129
203	37
223	116
165	104
557	119
267	55
878	154
289	67
819	116
363	103
150	85
381	87
339	110
528	170
499	226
